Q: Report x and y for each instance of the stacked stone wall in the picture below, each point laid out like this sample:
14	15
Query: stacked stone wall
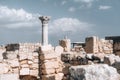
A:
50	64
96	45
116	48
20	61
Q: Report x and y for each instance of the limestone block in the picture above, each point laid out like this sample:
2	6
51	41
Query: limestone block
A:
25	71
4	68
59	50
111	58
15	70
48	71
30	56
35	54
48	56
66	57
10	55
30	62
23	62
13	63
35	60
46	49
50	65
91	44
34	66
34	72
58	76
93	72
66	44
9	77
24	66
59	70
48	77
117	53
1	53
117	66
117	46
28	77
23	56
100	56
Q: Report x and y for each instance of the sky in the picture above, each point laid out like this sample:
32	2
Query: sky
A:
76	19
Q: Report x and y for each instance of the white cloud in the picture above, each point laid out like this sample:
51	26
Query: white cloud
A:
85	1
14	18
72	9
101	7
64	2
68	24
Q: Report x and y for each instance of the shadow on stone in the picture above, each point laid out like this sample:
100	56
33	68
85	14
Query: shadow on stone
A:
28	77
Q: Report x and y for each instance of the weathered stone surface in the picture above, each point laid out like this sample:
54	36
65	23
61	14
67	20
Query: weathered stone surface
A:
14	63
74	58
46	49
58	76
4	68
2	50
34	72
23	62
96	45
34	65
50	65
48	56
24	71
111	58
10	55
25	66
48	77
23	56
93	72
91	44
66	44
9	77
48	71
28	77
15	70
117	66
58	49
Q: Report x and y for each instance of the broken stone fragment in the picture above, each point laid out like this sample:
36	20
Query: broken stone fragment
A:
111	59
93	72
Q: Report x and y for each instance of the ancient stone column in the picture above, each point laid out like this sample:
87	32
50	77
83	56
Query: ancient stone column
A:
44	21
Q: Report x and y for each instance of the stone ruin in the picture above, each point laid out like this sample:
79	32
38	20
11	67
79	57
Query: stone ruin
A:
96	59
32	61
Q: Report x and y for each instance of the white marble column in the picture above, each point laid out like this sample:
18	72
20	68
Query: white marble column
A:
44	21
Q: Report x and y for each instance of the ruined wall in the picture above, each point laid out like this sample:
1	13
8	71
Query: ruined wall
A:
27	61
66	44
96	45
50	63
116	48
19	60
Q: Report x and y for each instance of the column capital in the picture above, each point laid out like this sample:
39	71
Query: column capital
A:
44	19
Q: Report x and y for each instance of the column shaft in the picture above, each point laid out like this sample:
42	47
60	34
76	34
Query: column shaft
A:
44	34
